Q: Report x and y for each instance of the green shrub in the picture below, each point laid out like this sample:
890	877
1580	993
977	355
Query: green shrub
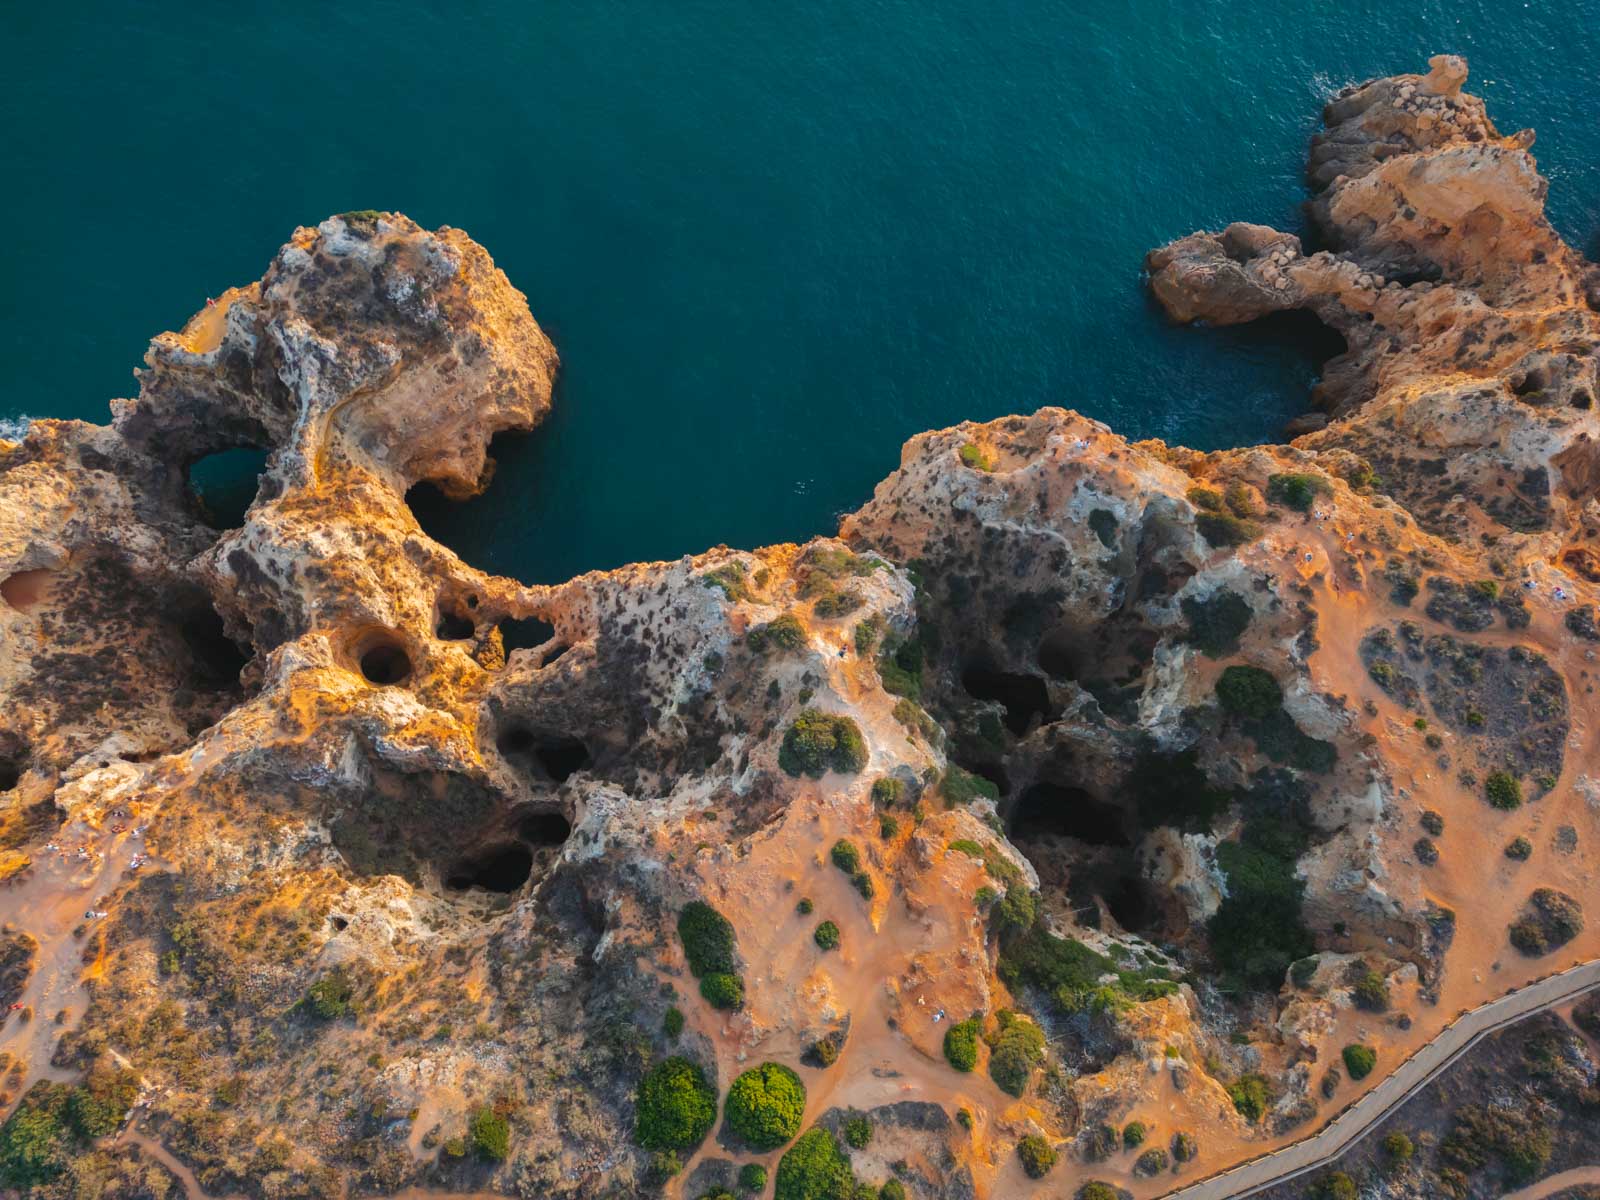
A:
1250	1096
1303	970
827	936
1018	910
1206	499
1152	1162
1133	1134
814	1168
1225	529
329	997
1335	1185
753	1177
1359	1060
820	742
672	1022
960	786
1097	1189
845	856
730	578
708	940
900	668
722	990
966	846
1172	789
892	1189
887	791
1184	1146
1258	931
1433	822
1398	1147
805	907
1503	789
887	827
1014	1051
974	456
676	1106
1372	993
858	1131
1216	622
1249	692
1519	848
765	1104
35	1140
1297	491
489	1134
785	634
1037	1156
961	1043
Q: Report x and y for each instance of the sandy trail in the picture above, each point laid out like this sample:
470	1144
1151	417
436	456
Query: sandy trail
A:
1556	1183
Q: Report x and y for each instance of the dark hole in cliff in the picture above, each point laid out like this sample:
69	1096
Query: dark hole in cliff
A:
496	869
218	657
1024	696
556	652
10	773
453	627
1300	334
525	634
1128	899
339	923
224	484
384	662
556	755
1046	808
544	828
1582	399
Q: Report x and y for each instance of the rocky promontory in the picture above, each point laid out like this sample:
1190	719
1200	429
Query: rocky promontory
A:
1084	810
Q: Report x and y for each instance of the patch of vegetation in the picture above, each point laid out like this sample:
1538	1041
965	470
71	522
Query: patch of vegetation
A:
1172	789
765	1104
976	457
1257	931
1296	491
961	1043
708	939
48	1129
1515	1134
488	1134
1251	1096
1037	1156
1372	993
1248	692
675	1106
1152	1162
1426	851
1359	1060
900	668
1335	1185
1503	790
866	635
1216	622
820	742
1015	1049
1097	1189
731	579
845	856
1222	530
672	1022
1133	1134
960	786
1519	848
1074	975
785	634
1398	1147
887	791
329	997
814	1168
722	990
1433	822
805	907
1551	920
857	1131
1184	1146
827	936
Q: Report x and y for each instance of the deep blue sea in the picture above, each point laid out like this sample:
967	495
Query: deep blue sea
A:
771	241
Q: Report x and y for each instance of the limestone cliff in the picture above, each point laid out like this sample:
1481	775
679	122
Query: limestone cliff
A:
1212	764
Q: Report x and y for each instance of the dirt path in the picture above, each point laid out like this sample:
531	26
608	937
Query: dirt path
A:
1556	1183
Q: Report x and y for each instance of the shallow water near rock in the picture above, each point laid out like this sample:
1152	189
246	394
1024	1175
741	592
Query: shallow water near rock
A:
770	245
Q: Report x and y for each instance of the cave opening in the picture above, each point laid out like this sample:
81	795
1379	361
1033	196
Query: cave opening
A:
558	756
10	774
453	627
1024	697
529	633
1128	900
1045	809
218	658
544	828
384	661
501	869
224	484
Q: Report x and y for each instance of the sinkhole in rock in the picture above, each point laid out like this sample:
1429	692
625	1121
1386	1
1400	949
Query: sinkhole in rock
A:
1046	809
453	627
525	634
1023	696
226	483
383	660
495	869
557	755
24	589
217	657
544	828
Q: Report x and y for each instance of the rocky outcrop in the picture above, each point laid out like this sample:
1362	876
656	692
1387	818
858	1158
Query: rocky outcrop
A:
377	850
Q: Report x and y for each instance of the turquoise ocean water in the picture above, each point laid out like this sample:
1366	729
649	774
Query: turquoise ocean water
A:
771	241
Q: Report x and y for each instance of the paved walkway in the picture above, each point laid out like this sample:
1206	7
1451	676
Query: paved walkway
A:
1320	1149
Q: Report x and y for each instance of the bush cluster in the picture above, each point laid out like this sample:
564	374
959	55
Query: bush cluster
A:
1503	790
329	997
1133	1134
752	1177
1359	1060
709	946
820	742
1296	491
489	1134
722	990
1152	1162
765	1104
1037	1156
814	1168
1248	692
1257	931
858	1131
1250	1096
827	936
675	1107
1015	1049
961	1043
785	634
1184	1146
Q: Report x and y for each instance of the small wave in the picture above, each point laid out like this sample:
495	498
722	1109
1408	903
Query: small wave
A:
14	429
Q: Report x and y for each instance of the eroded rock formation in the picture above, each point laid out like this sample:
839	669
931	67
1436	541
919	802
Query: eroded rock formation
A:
1206	762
